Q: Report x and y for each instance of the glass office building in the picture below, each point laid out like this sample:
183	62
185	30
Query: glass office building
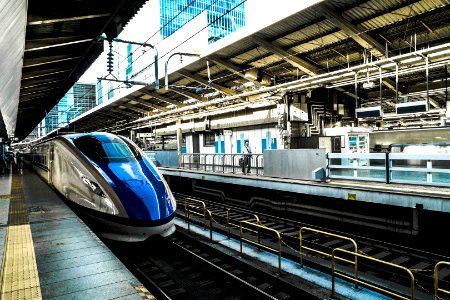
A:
79	99
224	16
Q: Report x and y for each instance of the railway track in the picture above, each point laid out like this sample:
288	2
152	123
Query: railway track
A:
181	267
226	219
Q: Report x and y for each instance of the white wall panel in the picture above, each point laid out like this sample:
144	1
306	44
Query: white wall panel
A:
13	19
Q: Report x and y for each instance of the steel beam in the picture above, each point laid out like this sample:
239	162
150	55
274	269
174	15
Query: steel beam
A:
188	94
145	103
299	63
231	67
161	98
358	35
201	80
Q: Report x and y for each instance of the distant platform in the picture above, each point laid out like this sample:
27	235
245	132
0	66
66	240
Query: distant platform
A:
48	252
404	195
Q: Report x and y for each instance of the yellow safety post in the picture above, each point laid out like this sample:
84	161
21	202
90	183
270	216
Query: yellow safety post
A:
210	224
436	279
334	273
203	206
278	235
228	223
355	246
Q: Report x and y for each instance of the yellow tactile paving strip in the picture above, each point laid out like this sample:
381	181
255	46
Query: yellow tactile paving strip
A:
19	279
143	292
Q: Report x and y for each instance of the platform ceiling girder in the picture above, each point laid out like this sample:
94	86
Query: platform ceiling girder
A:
188	94
58	43
122	112
134	108
147	103
201	80
231	67
322	43
54	61
33	20
358	34
306	67
161	98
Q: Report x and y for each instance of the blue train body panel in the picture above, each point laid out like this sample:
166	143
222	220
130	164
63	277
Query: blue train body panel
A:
112	180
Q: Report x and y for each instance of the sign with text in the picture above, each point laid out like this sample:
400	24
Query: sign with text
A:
227	132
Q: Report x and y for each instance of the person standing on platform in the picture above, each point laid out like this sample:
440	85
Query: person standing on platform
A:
247	151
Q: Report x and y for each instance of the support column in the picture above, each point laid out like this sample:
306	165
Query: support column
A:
179	141
133	135
416	218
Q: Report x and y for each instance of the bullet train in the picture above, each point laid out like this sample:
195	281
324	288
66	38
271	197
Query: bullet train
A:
111	180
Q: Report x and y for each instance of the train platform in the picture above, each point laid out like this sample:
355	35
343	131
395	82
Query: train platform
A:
47	252
403	195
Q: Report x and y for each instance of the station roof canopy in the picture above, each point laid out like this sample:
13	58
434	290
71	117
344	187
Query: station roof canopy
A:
322	46
60	44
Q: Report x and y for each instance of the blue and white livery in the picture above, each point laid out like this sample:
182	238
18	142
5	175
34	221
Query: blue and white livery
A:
110	179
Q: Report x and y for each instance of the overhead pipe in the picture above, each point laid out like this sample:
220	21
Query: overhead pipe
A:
356	98
381	91
298	84
389	74
166	77
396	83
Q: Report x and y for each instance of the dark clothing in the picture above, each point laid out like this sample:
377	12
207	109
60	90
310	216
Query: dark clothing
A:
247	158
247	162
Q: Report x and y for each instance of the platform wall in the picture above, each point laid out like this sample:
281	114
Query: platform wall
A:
293	163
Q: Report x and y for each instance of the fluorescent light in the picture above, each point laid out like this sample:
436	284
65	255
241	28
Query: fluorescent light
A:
410	60
439	53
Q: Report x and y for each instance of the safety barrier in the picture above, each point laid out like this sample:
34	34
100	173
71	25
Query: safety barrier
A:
357	166
278	236
426	169
222	163
436	280
423	169
230	224
355	246
203	207
257	228
189	208
356	280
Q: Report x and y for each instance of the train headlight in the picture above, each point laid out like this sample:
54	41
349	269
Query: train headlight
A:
94	187
103	203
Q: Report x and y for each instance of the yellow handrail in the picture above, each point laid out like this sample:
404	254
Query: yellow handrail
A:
199	202
278	235
355	246
210	223
436	279
334	273
238	225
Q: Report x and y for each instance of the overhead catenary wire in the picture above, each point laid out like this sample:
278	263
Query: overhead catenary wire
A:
252	67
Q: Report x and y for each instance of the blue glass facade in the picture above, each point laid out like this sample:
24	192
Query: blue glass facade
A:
224	16
79	99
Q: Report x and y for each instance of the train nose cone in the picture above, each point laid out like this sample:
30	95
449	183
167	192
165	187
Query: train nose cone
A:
142	193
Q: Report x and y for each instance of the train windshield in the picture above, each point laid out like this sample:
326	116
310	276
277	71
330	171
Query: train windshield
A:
104	149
